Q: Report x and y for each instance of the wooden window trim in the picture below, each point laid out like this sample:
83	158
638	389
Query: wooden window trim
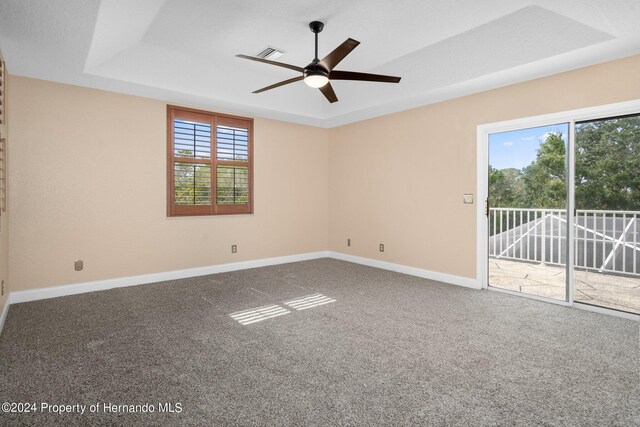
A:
214	119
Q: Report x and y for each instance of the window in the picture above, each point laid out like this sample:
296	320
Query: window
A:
210	163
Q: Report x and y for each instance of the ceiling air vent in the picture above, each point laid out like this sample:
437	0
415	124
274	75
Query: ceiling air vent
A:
270	53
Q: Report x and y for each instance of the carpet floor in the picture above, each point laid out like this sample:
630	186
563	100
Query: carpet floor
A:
247	348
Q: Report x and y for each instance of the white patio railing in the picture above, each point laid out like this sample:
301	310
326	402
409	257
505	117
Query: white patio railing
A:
605	241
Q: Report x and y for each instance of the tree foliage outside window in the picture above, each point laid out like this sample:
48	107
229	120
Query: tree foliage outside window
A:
608	164
607	170
192	182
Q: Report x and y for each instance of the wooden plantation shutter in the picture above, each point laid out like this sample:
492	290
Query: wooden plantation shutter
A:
209	163
233	191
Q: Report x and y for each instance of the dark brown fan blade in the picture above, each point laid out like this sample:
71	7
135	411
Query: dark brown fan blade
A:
266	61
282	83
327	90
365	77
339	53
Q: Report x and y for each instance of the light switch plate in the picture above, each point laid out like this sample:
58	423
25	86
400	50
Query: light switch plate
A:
468	199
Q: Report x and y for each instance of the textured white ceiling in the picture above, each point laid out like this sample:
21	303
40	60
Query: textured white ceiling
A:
184	51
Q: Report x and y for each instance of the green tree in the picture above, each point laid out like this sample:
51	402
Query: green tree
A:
545	178
233	185
192	181
608	164
506	187
607	170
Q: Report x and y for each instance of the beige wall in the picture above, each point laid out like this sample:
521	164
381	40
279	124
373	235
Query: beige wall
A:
4	223
88	179
399	179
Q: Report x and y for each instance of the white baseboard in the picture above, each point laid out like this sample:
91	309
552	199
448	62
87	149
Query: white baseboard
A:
5	310
412	271
101	285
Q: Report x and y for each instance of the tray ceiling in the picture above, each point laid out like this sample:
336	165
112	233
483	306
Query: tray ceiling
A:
183	51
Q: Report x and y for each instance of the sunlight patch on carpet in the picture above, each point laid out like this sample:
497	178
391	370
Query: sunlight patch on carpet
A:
309	301
254	315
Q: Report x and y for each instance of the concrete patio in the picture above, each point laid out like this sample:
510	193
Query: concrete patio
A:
605	290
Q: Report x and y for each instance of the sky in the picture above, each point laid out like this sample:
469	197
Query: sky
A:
518	148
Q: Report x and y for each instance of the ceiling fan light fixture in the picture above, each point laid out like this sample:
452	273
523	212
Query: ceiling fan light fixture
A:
316	80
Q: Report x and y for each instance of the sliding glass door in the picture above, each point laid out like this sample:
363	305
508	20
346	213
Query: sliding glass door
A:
527	212
607	200
535	175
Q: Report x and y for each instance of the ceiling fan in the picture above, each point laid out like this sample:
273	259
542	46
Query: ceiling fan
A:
320	72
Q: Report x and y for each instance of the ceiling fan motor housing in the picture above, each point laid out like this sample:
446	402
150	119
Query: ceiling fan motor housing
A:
316	68
316	74
316	26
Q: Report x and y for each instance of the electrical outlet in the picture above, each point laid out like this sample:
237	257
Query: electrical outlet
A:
467	199
381	247
234	249
348	242
79	265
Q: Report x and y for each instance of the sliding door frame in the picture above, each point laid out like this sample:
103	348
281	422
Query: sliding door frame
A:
482	190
